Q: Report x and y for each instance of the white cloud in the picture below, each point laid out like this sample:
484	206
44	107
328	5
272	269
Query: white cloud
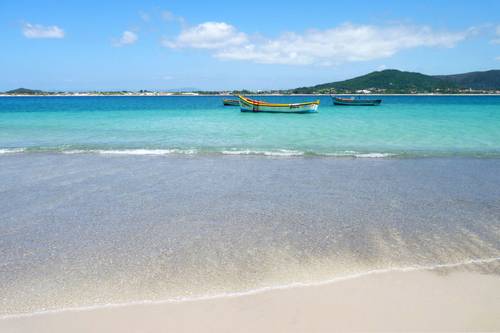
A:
127	38
40	31
347	42
497	58
208	35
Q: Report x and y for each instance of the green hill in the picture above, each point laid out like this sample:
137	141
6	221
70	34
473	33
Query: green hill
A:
24	91
475	80
395	81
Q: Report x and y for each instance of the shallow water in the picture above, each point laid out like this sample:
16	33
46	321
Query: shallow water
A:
401	126
83	230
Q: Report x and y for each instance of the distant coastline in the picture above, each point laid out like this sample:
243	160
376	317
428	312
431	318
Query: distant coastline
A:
382	83
229	94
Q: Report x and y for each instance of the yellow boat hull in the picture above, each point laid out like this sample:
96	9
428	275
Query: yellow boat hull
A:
249	105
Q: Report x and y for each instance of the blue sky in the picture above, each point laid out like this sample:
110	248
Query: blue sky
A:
107	45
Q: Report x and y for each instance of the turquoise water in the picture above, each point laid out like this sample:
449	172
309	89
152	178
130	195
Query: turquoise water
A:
80	228
401	126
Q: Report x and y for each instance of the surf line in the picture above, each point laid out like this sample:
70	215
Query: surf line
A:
253	291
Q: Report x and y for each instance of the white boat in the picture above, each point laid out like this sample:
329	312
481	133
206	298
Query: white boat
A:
250	105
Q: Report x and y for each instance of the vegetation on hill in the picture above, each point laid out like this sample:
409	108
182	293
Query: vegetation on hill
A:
387	81
395	81
24	91
475	80
390	81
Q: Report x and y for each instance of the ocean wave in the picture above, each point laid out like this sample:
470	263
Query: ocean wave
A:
256	291
279	152
198	151
351	153
11	150
374	155
132	151
230	151
148	152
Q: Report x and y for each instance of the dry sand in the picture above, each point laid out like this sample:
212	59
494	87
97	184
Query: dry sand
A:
397	301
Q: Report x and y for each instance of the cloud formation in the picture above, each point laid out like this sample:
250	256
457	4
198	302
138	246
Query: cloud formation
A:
208	35
40	31
127	38
345	43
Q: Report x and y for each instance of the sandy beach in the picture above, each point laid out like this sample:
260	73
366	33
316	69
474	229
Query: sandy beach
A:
185	167
145	236
395	301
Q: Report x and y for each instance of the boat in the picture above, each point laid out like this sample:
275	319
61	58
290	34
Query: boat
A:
231	102
355	101
250	105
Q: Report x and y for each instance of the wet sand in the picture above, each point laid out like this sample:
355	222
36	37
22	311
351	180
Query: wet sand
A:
84	230
397	301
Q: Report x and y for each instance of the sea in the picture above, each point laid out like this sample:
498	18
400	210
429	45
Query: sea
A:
110	201
402	126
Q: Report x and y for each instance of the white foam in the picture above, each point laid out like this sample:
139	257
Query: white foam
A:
148	151
76	151
279	152
374	155
351	153
255	291
11	150
193	151
134	151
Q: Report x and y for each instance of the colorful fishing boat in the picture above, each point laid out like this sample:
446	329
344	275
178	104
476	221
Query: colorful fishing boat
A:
355	101
250	105
231	102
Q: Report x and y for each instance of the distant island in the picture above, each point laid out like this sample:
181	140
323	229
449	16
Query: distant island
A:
390	81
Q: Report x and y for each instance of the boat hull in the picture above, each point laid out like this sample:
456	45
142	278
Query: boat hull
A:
231	102
356	102
247	105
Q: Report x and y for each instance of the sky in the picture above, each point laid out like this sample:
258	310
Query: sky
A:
218	45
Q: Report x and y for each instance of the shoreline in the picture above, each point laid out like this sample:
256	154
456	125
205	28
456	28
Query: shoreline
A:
149	228
411	300
259	291
230	95
247	153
